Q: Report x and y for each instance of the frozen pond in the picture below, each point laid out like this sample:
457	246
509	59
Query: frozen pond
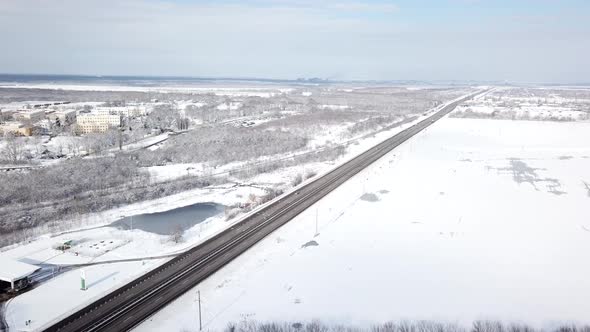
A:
164	223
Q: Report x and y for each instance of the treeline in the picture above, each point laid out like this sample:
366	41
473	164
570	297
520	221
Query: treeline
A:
219	145
256	168
316	118
248	106
372	124
543	93
403	326
48	196
8	95
387	99
69	179
514	115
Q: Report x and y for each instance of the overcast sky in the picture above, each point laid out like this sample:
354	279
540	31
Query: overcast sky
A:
515	40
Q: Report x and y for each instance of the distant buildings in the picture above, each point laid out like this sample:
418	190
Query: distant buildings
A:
96	123
6	114
51	103
32	115
127	112
65	117
37	119
15	275
43	127
17	128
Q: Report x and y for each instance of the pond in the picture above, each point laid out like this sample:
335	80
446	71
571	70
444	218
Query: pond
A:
167	222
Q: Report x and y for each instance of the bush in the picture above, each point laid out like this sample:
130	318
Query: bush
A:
231	212
297	180
310	174
176	235
270	195
220	145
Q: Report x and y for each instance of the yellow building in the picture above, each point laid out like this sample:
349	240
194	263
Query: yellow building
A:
16	128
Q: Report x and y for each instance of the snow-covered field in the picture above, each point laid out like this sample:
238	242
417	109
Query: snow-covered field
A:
39	306
524	111
221	90
470	219
529	104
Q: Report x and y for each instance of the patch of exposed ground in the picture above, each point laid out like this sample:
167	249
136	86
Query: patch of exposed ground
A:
370	197
523	173
311	243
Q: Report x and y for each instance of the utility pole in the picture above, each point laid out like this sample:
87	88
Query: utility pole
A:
121	137
316	222
83	280
199	300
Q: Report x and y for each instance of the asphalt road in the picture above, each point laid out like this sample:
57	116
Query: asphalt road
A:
134	302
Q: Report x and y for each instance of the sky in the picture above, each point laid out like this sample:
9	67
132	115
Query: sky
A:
484	40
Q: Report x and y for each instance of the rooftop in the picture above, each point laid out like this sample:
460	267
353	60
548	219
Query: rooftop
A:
13	270
31	110
11	124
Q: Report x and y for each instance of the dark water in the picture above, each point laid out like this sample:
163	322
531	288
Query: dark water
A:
167	222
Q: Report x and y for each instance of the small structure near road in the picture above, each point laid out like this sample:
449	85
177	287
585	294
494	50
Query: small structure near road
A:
14	275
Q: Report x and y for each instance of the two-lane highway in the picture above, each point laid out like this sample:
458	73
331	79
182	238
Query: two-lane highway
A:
134	302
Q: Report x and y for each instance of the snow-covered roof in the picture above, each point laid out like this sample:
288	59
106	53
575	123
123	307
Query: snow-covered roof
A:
11	270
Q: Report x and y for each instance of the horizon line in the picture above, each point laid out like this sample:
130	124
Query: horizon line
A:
314	80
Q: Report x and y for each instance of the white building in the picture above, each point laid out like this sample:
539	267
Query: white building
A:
44	124
14	274
33	115
125	111
65	116
6	114
96	123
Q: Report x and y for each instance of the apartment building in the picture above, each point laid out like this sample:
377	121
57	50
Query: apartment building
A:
125	111
96	123
65	117
32	115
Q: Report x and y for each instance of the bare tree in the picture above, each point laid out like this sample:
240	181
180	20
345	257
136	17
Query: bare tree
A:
182	123
176	234
14	150
162	117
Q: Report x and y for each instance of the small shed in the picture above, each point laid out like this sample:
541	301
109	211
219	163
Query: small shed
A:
15	273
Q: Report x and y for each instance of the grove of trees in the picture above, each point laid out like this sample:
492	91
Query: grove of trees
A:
61	191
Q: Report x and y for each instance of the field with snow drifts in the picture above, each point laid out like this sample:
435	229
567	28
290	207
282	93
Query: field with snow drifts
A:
538	104
471	219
